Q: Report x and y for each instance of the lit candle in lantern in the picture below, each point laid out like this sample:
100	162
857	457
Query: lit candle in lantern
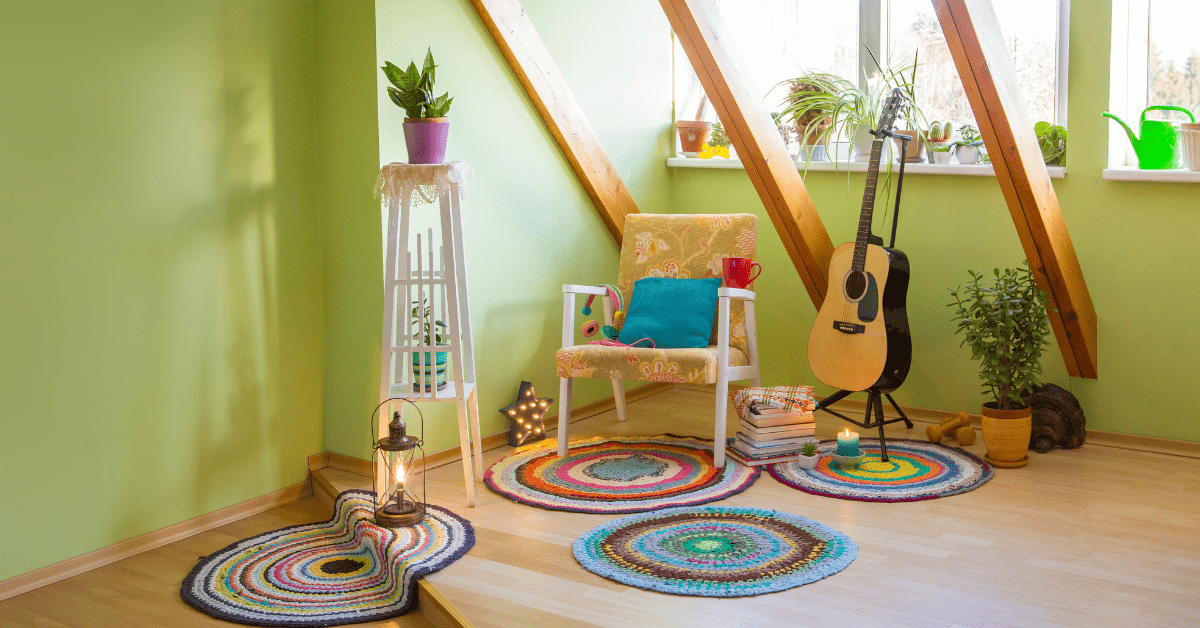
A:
848	443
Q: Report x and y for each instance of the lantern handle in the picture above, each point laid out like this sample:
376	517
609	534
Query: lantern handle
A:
371	421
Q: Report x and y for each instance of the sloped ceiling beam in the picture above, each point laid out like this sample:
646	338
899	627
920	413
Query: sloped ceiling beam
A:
531	61
757	140
985	65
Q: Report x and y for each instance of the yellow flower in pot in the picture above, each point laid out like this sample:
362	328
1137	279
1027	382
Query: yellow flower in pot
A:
1003	319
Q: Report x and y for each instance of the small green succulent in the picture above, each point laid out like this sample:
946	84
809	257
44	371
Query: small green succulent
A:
809	448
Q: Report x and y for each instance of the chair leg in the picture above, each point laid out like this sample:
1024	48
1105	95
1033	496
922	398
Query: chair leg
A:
719	421
564	413
619	397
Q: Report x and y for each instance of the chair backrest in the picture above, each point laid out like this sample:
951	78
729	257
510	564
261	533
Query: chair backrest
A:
687	246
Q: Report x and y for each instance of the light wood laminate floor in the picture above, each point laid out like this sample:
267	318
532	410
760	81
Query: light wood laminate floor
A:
1096	536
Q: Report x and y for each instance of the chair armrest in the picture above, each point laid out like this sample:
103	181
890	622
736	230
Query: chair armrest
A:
576	289
736	293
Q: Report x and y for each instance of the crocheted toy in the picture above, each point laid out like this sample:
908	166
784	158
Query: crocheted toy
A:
958	425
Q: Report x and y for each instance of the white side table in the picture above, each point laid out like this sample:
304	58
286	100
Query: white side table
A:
418	271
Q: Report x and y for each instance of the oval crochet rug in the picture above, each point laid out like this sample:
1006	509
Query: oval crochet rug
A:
915	470
344	571
605	475
714	551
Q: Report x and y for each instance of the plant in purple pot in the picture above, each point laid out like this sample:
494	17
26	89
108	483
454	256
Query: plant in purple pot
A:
425	124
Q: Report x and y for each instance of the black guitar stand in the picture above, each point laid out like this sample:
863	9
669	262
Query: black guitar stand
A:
874	406
873	417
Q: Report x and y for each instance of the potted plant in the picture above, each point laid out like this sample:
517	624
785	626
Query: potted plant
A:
810	105
426	127
940	153
808	456
718	144
1053	141
1003	319
938	146
966	147
694	134
428	333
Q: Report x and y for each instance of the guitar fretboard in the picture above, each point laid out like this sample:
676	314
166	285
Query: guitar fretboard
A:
868	208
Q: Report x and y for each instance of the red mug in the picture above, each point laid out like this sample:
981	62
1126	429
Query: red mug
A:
737	271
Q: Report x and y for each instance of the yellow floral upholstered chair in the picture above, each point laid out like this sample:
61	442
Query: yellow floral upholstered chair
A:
682	246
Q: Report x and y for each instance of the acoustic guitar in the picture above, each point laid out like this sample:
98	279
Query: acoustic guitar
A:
860	339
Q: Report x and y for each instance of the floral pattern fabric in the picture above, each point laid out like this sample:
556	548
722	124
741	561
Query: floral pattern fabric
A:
683	246
688	246
677	366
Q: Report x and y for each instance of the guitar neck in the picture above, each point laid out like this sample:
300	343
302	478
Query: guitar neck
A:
868	207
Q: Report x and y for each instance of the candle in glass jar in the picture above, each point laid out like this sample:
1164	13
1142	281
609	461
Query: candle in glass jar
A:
847	443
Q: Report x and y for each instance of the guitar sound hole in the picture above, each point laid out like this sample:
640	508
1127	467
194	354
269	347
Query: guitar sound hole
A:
856	285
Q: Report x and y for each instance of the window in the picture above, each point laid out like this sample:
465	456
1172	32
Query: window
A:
781	39
1155	61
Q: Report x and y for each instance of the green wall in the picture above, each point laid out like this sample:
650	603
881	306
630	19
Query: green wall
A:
1132	240
160	266
529	227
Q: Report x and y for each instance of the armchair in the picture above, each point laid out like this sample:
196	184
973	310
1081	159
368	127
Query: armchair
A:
682	246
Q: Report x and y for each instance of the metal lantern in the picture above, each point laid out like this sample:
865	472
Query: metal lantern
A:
398	505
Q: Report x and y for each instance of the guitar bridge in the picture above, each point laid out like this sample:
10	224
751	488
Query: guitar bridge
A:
849	328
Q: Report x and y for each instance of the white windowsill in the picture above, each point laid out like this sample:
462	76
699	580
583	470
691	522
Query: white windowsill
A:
1129	173
972	170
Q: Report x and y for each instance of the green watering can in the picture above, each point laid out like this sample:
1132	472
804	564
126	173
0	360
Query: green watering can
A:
1159	147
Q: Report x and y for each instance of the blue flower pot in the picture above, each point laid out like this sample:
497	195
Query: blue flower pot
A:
432	372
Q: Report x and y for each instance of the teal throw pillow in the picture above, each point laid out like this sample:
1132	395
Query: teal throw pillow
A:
674	313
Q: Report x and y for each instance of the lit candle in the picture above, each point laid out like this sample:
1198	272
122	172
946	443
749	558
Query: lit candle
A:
848	443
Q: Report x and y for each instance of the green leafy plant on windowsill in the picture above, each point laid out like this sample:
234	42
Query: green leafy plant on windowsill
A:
968	136
1003	320
1053	141
719	137
412	90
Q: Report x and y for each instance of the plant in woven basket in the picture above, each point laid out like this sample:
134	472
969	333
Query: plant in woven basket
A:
810	104
1003	319
412	90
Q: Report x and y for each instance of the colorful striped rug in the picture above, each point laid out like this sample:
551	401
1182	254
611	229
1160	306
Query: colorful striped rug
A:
606	475
915	470
344	571
714	551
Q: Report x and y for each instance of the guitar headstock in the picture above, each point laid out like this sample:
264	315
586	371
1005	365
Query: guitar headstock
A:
891	109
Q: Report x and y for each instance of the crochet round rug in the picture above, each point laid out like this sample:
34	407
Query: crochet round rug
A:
618	475
915	470
344	571
713	551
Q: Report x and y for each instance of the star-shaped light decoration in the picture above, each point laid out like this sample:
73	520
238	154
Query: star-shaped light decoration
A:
525	416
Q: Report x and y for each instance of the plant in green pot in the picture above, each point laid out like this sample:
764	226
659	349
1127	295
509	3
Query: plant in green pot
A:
427	333
1003	319
426	128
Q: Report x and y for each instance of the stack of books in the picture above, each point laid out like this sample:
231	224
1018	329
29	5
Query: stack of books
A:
770	433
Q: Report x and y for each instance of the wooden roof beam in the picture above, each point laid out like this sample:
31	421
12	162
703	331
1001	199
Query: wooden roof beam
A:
534	67
758	142
985	65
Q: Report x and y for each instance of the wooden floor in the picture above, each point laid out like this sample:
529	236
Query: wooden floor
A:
1096	536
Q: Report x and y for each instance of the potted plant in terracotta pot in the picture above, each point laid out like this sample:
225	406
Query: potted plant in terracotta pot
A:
1003	319
428	333
694	134
426	127
810	104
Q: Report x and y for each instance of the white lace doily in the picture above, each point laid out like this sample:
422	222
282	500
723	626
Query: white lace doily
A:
399	180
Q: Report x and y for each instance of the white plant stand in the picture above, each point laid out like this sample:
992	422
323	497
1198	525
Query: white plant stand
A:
435	275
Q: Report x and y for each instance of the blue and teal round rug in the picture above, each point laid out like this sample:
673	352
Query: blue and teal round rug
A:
712	551
344	571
